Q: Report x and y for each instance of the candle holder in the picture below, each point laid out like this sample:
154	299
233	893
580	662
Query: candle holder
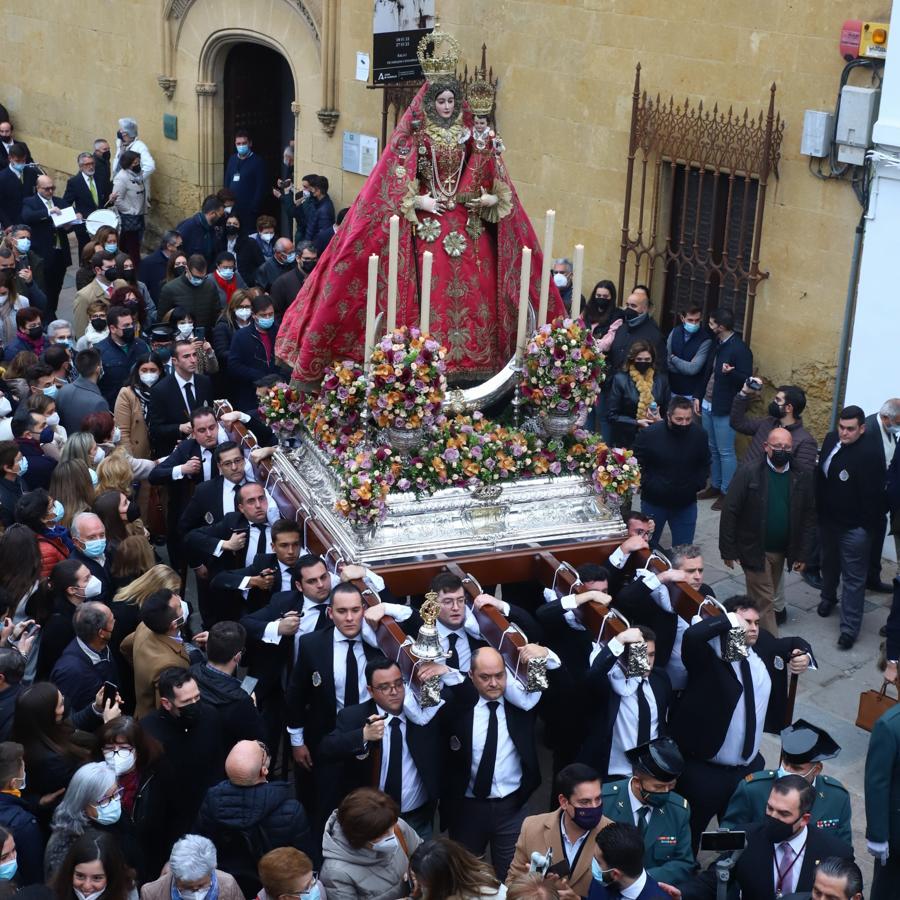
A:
518	401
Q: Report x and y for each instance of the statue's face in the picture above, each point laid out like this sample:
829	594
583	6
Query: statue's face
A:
445	104
481	123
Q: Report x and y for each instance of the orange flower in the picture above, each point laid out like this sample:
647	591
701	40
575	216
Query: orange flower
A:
471	468
541	465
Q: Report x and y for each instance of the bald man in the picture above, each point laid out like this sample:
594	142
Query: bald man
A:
768	520
265	812
48	241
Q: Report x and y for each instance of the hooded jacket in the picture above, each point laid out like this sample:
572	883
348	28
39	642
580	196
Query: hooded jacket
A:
240	718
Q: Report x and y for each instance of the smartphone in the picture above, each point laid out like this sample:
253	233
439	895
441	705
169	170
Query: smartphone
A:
32	628
755	384
199	333
723	841
109	693
248	685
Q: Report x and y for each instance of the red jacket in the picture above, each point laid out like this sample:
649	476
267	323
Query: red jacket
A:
53	550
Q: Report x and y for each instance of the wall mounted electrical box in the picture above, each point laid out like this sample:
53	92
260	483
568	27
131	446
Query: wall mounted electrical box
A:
818	131
853	130
851	32
873	40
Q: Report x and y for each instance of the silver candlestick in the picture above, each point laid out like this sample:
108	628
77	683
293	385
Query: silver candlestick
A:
518	401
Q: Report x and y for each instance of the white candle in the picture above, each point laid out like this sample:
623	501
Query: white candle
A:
371	296
392	274
425	311
545	271
524	285
577	273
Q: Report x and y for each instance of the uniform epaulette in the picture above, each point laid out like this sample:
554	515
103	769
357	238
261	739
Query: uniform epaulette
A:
833	782
764	775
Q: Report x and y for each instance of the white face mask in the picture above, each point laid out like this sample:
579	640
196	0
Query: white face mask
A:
149	378
560	280
194	895
185	611
267	237
6	406
99	456
186	329
53	420
117	434
386	844
93	896
122	761
242	312
93	588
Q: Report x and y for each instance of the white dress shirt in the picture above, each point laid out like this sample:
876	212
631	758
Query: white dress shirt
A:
206	457
633	891
463	651
570	848
625	728
508	767
798	846
341	647
834	452
411	787
675	668
637	806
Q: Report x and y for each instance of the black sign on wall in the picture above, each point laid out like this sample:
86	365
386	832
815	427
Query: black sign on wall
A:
398	26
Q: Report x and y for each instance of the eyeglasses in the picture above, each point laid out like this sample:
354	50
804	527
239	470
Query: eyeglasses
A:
453	602
107	800
231	463
306	893
393	687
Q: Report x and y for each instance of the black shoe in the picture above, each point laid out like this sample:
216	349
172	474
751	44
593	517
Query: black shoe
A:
780	616
813	579
882	632
825	607
845	642
717	503
879	587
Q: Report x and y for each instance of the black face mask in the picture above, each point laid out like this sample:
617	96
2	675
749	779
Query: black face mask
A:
781	458
189	715
679	429
643	367
631	313
98	325
776	411
777	831
307	265
130	275
178	271
128	334
105	155
134	512
601	304
111	274
232	229
35	331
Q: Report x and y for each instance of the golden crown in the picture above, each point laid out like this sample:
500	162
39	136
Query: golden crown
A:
480	94
438	54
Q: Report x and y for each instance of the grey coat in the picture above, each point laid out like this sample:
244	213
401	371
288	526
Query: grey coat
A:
77	400
364	874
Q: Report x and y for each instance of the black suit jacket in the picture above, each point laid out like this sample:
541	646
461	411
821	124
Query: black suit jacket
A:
201	543
95	568
78	194
456	720
713	690
605	703
204	507
4	156
13	192
310	700
362	762
44	232
257	598
168	410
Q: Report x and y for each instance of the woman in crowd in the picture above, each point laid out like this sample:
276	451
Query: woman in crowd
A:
176	267
106	238
130	203
237	314
639	395
245	249
42	514
69	585
125	266
9	305
20	563
442	869
183	322
46	406
226	277
83	447
107	435
286	874
71	484
108	506
128	296
9	858
132	412
134	556
366	848
97	329
600	311
14	374
192	874
94	867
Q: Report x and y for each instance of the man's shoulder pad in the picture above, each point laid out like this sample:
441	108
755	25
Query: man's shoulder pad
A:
834	783
764	775
613	788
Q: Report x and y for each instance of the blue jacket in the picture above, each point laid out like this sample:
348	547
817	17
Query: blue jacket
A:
18	345
40	467
18	818
117	365
736	353
198	237
247	362
651	891
319	218
79	679
152	271
250	188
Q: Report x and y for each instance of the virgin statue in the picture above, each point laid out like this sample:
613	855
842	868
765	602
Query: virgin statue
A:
443	173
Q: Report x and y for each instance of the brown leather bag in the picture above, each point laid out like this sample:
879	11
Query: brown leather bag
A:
872	705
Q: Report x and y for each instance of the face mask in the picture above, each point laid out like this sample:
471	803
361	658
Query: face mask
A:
94	587
242	313
35	331
23	245
778	831
18	168
128	334
242	149
691	327
268	237
46	435
111	248
129	275
587	817
121	761
601	875
196	895
149	378
99	325
81	896
560	280
314	894
110	813
99	455
633	317
228	210
95	479
386	845
178	271
196	280
95	548
307	265
189	714
643	367
266	323
186	329
23	465
601	304
679	429
305	192
50	391
232	229
775	411
290	259
226	274
656	799
781	458
8	869
58	512
6	406
134	511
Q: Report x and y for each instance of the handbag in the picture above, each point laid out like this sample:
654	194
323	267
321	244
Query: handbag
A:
131	222
872	705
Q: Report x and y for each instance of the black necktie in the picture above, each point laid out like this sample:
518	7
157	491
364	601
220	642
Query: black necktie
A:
749	709
322	621
453	656
484	777
643	734
261	544
351	679
393	783
189	393
642	819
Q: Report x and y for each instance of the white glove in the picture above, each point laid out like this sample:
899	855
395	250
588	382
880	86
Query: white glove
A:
879	850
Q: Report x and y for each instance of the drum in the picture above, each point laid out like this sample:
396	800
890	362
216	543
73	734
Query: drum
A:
100	217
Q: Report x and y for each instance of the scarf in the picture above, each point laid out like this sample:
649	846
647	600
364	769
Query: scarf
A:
644	385
143	396
130	783
213	889
228	286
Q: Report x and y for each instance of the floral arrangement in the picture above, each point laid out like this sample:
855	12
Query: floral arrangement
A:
281	408
563	367
407	380
334	417
367	476
616	475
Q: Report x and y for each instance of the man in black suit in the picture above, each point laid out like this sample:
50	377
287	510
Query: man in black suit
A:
17	182
630	710
882	433
48	241
386	743
89	538
850	503
86	193
102	156
8	140
781	854
174	397
490	763
727	704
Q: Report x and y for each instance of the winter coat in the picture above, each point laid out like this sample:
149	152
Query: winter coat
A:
17	818
161	889
240	718
674	465
623	404
806	451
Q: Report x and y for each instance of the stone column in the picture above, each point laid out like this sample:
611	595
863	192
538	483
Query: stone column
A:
206	118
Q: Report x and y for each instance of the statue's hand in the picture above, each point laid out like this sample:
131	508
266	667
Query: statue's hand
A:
429	204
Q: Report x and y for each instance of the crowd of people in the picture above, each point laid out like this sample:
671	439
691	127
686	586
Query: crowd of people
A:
258	742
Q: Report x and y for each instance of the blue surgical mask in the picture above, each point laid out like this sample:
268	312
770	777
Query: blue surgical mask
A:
23	245
58	512
196	280
23	465
290	258
599	874
691	327
95	548
265	323
110	813
18	168
8	869
95	478
111	248
242	149
50	391
313	894
226	274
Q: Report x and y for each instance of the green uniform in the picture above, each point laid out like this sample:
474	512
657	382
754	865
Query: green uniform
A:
830	812
667	840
